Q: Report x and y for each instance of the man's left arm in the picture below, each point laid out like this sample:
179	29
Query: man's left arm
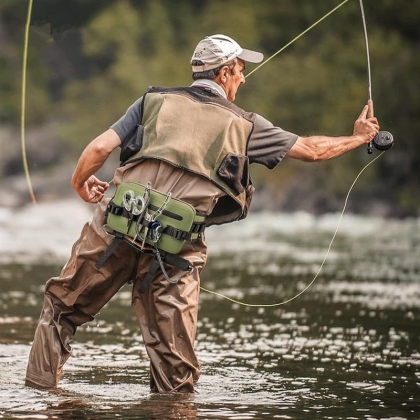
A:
90	188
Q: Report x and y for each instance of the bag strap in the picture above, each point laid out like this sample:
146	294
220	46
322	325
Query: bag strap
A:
149	276
182	235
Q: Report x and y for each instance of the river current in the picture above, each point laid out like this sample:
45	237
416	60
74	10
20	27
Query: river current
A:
348	347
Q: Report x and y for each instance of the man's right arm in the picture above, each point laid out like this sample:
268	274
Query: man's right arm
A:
319	148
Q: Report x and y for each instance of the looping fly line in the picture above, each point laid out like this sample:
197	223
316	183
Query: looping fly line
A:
350	189
270	305
23	103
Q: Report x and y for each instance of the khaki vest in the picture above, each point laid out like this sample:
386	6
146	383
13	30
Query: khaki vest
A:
200	132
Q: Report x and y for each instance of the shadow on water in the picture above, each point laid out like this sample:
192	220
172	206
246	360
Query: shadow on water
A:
348	348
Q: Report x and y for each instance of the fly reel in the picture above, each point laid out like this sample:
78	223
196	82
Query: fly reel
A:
384	140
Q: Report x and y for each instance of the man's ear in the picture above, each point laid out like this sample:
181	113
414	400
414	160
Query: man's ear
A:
223	73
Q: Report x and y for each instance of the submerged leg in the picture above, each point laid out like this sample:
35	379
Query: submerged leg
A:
50	349
74	298
167	314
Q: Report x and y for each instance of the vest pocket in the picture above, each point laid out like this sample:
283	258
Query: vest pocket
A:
234	170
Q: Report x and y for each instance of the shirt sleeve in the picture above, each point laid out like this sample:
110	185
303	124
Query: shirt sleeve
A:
127	124
269	144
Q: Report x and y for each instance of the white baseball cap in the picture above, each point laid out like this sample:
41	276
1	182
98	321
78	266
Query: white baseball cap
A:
216	50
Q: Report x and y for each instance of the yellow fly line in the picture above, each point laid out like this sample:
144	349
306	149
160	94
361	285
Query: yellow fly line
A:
296	38
23	103
269	305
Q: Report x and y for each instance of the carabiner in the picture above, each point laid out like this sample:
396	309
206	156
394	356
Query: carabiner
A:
156	231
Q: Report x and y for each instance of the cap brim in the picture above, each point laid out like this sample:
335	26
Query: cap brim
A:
251	56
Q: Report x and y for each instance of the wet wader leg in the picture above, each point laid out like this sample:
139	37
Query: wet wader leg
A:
167	314
74	298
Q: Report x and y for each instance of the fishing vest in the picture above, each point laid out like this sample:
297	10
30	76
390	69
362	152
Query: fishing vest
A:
198	131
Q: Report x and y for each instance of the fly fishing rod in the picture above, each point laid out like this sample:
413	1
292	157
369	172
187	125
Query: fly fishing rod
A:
384	139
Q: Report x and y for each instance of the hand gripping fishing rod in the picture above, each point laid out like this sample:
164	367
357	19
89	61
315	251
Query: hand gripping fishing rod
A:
384	139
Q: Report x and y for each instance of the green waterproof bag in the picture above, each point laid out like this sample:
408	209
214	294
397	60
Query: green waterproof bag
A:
151	217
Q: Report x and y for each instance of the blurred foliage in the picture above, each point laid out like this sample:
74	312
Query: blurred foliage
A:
90	59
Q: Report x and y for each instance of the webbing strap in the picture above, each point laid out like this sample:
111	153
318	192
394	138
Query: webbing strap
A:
149	276
159	259
107	253
164	257
182	235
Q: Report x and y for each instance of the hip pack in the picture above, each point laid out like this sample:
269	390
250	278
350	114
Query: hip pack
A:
153	218
154	223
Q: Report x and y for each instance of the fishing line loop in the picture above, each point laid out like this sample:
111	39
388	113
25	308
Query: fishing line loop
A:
270	305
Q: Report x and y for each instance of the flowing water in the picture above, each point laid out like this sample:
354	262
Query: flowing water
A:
347	348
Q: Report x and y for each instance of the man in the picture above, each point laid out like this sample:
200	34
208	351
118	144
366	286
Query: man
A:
196	147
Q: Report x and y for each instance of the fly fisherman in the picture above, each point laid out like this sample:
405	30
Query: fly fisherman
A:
182	149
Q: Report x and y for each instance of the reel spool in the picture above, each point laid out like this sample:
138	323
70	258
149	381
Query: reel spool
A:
384	140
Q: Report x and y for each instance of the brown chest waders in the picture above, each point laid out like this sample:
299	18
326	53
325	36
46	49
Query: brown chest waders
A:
153	223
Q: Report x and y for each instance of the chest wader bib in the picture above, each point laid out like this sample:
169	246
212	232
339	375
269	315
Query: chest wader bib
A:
153	223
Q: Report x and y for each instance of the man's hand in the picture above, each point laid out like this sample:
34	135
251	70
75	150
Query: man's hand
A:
366	127
93	190
90	188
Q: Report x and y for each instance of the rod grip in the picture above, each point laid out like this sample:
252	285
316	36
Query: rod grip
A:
370	114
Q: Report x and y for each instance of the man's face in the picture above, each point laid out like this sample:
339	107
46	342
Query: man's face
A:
233	79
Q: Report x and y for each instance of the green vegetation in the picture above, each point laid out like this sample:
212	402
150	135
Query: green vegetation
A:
90	59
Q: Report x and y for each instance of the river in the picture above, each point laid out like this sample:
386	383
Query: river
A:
348	347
